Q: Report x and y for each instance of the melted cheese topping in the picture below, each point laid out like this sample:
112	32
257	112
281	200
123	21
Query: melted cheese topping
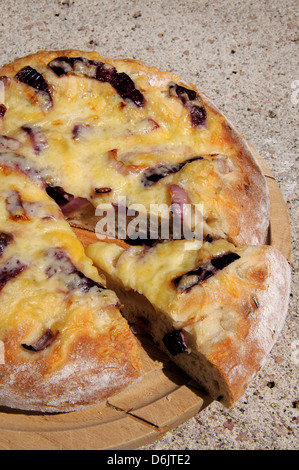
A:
91	138
47	294
152	272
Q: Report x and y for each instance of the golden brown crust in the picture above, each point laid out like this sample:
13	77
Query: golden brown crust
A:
259	296
95	368
229	322
252	192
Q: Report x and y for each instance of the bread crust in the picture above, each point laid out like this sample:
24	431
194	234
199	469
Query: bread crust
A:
229	323
258	296
94	368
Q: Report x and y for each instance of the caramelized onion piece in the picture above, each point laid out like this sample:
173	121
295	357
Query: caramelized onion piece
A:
121	82
11	269
14	206
179	198
153	175
175	342
35	80
192	101
5	240
207	269
22	164
44	342
60	264
37	137
9	143
103	190
3	110
122	167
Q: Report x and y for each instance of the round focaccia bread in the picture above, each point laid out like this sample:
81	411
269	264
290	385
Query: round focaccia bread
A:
75	128
110	130
65	342
216	311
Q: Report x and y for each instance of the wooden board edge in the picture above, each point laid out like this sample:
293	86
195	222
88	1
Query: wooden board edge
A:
280	229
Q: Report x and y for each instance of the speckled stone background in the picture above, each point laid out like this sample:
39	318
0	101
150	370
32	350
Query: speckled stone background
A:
244	55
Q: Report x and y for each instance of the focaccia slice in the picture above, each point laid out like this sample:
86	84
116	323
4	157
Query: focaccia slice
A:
216	311
64	340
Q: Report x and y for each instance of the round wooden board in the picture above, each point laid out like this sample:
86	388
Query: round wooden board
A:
163	399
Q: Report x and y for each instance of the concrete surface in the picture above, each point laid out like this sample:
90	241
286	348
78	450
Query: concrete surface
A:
244	55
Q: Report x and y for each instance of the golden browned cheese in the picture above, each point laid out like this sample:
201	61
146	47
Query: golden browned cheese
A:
93	138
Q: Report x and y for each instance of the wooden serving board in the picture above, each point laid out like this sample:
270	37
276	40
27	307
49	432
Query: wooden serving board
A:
163	399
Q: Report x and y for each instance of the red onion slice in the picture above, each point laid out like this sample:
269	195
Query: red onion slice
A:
179	199
154	174
203	272
121	82
5	240
79	130
74	204
14	206
9	143
175	343
17	162
35	80
37	137
11	269
61	265
44	342
121	167
3	110
192	101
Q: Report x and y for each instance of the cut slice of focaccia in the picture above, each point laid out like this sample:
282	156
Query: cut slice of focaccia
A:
216	311
65	342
